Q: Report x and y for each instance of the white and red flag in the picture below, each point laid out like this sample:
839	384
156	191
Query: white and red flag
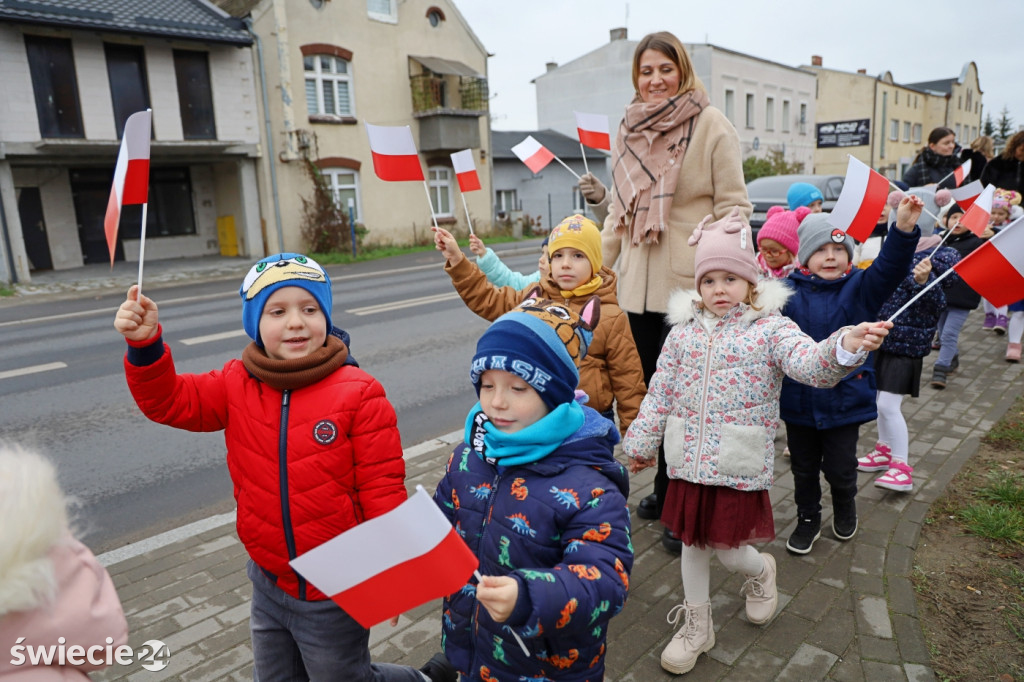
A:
391	563
533	154
996	268
593	130
465	170
968	194
977	216
865	191
395	158
962	172
131	174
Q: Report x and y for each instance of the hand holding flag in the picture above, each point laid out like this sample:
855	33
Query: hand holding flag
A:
131	178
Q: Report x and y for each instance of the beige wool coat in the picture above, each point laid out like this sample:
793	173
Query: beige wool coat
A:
710	181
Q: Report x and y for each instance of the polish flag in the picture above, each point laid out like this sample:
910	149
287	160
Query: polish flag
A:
977	216
968	194
996	268
593	130
465	170
392	563
395	158
131	174
962	172
860	203
533	154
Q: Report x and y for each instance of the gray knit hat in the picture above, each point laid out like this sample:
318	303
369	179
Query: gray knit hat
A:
815	231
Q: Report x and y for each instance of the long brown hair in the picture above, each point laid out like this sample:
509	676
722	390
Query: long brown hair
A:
670	46
1011	146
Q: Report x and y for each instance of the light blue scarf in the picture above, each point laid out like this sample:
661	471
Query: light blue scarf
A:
536	441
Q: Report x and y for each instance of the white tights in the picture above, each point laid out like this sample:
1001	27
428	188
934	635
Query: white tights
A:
989	308
892	427
696	568
1015	330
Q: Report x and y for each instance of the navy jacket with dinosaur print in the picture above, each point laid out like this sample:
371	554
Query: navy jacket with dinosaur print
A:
560	527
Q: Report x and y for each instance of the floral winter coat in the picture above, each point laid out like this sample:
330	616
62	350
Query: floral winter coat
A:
714	398
560	527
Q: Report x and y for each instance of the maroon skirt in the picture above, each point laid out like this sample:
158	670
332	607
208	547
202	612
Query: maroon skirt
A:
717	517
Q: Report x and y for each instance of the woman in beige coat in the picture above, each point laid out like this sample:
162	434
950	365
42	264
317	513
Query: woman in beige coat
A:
676	160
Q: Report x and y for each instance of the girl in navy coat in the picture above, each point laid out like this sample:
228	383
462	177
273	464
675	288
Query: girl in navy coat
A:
822	425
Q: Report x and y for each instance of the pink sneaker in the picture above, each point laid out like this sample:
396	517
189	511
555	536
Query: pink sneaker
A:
878	459
896	478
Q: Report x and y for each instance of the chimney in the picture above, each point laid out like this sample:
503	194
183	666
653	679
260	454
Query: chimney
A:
862	71
551	66
815	60
617	34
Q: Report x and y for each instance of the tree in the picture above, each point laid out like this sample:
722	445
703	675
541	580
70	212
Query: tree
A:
774	163
1004	127
988	128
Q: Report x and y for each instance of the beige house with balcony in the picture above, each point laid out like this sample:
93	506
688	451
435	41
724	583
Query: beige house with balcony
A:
330	66
884	123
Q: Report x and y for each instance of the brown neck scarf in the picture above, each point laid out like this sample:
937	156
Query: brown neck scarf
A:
649	150
298	373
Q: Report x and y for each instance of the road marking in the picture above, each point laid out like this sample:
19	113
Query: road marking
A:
34	369
404	303
187	531
213	337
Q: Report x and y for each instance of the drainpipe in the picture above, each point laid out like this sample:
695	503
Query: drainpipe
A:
270	140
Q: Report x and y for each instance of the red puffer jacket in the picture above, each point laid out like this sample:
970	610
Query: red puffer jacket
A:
307	464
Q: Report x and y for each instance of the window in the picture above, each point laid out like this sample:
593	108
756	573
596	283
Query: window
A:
917	133
785	115
382	10
750	111
769	114
126	69
505	201
440	185
906	131
328	85
579	202
52	67
435	16
730	106
803	118
344	185
896	98
195	97
974	132
170	206
957	130
894	130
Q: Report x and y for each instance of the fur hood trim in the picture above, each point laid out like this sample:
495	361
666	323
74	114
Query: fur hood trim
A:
771	296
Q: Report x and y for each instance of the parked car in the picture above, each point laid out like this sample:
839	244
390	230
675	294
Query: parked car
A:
771	191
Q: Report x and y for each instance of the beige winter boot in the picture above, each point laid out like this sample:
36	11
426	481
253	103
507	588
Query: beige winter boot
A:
695	637
761	593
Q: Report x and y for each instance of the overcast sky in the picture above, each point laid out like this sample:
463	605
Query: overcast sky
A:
917	40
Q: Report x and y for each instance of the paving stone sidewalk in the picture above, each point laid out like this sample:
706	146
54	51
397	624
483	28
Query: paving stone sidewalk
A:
847	611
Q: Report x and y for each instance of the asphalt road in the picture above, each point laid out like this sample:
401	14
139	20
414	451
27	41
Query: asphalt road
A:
62	387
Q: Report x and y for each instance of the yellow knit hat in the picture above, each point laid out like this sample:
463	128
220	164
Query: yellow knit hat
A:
580	233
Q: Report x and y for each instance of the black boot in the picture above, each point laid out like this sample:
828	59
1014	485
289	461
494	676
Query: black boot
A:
808	529
648	507
671	543
438	669
844	517
939	376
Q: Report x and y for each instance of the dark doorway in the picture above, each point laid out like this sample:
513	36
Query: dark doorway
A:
90	192
33	229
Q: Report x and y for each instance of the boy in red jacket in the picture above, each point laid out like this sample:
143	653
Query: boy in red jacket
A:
313	450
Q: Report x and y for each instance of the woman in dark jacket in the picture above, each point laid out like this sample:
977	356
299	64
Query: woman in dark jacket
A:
1006	171
935	162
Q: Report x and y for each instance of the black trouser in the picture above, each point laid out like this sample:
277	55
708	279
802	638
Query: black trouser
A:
649	333
812	452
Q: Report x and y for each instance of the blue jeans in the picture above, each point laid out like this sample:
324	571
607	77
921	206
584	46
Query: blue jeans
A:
950	324
310	640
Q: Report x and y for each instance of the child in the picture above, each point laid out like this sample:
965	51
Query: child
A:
997	317
898	362
777	243
804	194
822	425
499	274
611	371
714	401
312	446
538	496
51	585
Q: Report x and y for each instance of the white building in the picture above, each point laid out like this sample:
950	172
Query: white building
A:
71	77
772	105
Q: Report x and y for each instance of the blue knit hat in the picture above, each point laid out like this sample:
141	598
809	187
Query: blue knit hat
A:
275	272
802	194
541	341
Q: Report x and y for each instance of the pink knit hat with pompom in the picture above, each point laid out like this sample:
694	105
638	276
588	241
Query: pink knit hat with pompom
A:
725	244
781	226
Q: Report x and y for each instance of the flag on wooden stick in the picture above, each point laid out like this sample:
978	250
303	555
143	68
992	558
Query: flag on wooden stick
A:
131	174
465	171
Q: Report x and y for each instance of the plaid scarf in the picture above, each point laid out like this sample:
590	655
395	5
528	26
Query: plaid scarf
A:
649	149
